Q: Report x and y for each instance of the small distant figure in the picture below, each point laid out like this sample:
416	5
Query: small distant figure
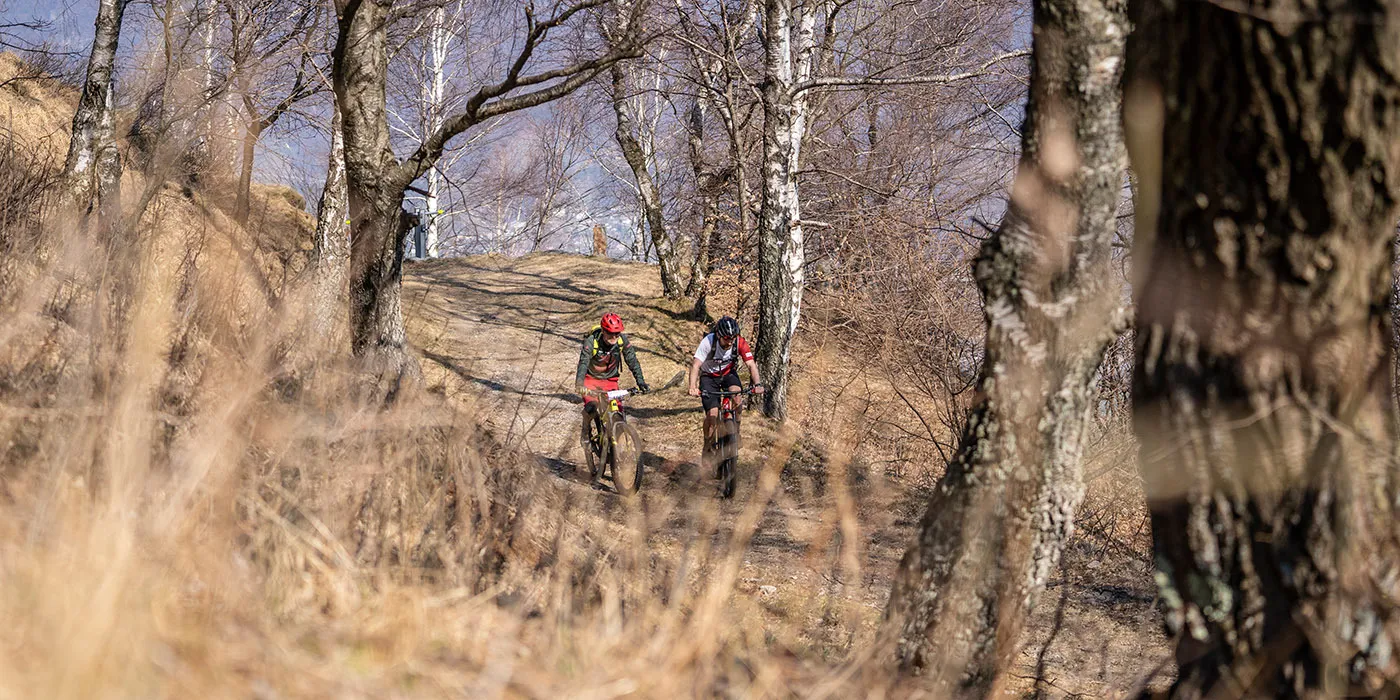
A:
600	241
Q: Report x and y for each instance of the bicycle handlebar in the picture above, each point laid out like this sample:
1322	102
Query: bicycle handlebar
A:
741	392
615	393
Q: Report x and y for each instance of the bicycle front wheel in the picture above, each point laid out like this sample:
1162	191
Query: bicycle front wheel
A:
626	458
728	456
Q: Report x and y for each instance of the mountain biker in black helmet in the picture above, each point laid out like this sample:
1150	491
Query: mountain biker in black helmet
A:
715	368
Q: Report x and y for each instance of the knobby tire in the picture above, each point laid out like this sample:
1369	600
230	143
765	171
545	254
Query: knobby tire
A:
626	459
728	453
592	456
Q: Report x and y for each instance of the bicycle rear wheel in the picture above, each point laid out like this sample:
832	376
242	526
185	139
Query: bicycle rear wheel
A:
626	458
592	443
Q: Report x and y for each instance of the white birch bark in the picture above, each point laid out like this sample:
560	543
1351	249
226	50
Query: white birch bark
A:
206	16
330	254
637	145
997	524
789	55
93	167
437	60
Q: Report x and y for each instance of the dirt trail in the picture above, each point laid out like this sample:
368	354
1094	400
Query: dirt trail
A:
503	334
511	328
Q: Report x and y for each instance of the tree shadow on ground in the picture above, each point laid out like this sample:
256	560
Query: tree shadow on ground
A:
568	471
645	412
451	365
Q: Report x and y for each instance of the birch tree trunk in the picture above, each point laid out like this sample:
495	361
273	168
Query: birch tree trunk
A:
780	243
649	195
330	254
709	187
1260	393
374	197
437	60
997	522
376	180
242	200
93	166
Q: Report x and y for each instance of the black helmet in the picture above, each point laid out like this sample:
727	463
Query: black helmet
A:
726	327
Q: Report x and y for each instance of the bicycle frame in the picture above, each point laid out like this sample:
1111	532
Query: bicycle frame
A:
610	403
730	402
723	442
603	427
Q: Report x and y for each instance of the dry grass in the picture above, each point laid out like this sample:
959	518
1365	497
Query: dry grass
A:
181	529
500	335
328	549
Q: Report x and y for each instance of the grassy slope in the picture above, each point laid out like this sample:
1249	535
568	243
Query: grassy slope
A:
234	560
502	335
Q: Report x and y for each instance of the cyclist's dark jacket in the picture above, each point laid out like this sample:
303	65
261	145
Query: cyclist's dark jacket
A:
598	360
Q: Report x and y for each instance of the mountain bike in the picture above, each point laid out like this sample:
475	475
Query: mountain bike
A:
724	444
611	444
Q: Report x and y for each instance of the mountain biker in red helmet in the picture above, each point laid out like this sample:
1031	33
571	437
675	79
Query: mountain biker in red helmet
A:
715	367
600	360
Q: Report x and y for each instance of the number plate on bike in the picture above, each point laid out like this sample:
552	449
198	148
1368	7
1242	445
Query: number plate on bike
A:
617	393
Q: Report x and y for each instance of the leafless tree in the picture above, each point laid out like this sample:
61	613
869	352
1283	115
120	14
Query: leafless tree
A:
800	37
998	521
169	136
639	153
377	179
710	182
549	197
271	50
93	166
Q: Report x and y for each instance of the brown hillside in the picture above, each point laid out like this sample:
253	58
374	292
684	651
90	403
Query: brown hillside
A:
502	335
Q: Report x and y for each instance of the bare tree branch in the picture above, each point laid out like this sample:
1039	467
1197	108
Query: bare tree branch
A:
839	81
479	109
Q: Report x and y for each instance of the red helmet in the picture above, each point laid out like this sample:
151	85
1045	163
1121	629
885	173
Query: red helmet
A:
612	323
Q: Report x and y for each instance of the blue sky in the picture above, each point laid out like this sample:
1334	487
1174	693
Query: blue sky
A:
294	154
70	20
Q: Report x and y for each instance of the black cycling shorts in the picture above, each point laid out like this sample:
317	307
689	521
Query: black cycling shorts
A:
729	382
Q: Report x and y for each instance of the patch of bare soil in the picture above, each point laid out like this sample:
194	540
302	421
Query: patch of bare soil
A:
502	336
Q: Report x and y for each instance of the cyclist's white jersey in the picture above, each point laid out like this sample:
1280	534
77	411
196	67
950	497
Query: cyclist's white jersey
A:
716	360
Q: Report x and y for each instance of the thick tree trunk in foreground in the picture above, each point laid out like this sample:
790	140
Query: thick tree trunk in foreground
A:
649	193
997	522
93	166
1260	394
782	258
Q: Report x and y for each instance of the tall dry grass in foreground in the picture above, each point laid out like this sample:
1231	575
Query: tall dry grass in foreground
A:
189	519
175	521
